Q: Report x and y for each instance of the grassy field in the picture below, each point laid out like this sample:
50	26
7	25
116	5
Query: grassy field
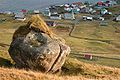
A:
87	37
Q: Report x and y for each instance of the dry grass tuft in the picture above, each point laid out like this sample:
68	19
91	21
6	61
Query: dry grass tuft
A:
73	70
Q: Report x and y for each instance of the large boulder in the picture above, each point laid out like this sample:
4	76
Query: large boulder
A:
33	48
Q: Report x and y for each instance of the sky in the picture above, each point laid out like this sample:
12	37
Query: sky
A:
33	4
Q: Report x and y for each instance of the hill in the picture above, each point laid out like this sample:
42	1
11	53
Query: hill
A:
103	42
72	70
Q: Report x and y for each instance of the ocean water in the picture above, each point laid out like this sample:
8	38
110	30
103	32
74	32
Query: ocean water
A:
15	5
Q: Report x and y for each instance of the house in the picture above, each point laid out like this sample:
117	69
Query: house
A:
36	11
76	10
24	11
77	3
70	16
53	10
88	56
117	18
107	15
98	17
90	18
47	12
51	23
103	11
100	3
85	10
56	16
66	5
20	17
68	9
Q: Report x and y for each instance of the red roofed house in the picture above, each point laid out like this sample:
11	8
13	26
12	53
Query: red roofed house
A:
100	3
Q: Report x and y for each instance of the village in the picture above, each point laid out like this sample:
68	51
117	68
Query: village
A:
75	12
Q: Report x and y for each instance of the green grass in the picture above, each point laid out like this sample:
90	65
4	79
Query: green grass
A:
84	30
115	9
106	61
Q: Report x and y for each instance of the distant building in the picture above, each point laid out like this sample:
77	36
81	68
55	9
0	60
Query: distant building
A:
53	10
70	16
117	18
104	11
36	11
56	16
24	11
85	10
20	17
88	56
98	17
100	3
68	9
47	12
90	18
76	10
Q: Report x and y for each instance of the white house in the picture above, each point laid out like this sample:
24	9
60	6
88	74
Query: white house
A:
118	18
20	17
36	11
87	18
104	11
56	16
47	12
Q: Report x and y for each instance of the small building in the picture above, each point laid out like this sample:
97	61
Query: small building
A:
67	5
100	3
104	11
20	17
51	23
46	12
70	16
36	11
56	16
98	17
24	11
90	18
85	10
88	56
107	15
53	10
117	18
68	9
76	10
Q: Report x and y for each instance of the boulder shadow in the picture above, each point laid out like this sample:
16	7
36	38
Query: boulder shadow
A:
5	62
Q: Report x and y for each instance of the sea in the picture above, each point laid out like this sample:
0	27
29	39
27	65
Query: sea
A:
16	5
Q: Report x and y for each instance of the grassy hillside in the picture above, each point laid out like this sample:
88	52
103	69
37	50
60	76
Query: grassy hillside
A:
115	9
103	42
72	70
